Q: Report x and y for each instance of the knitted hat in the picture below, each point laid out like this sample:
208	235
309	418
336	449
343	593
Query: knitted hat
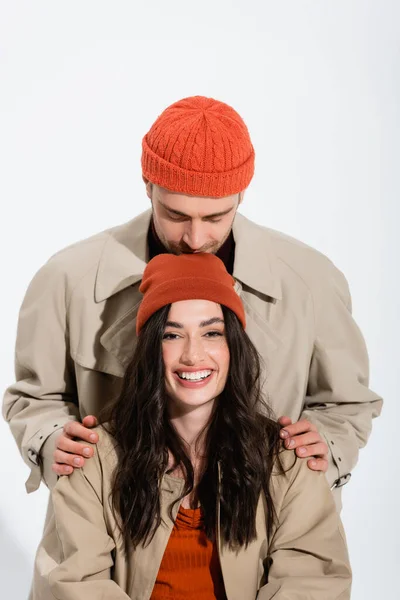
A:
199	147
170	278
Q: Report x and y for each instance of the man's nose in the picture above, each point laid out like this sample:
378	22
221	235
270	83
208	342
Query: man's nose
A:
194	236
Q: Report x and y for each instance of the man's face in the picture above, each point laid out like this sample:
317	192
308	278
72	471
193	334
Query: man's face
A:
187	224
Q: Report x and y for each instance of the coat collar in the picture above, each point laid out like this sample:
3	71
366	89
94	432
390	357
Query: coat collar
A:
125	255
255	262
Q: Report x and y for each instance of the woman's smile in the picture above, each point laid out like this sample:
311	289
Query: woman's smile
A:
194	379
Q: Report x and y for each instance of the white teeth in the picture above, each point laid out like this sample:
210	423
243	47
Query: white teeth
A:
194	376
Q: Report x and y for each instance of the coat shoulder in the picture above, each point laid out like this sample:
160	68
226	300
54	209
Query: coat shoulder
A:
290	471
307	261
105	447
304	262
91	248
77	262
322	277
74	259
98	470
63	271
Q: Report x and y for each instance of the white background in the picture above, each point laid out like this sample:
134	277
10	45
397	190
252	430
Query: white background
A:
318	83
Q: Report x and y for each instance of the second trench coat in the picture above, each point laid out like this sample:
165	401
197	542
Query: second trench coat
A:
76	334
81	555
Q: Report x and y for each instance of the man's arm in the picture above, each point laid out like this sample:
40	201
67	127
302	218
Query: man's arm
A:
338	399
43	399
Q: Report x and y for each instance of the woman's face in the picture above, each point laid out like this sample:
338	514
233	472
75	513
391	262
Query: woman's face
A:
195	354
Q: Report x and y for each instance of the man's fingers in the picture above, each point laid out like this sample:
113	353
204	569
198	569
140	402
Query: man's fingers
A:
66	444
78	430
283	421
62	469
302	426
304	439
69	454
90	421
319	450
318	464
65	458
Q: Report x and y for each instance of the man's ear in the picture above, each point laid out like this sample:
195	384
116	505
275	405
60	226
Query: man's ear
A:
149	187
241	196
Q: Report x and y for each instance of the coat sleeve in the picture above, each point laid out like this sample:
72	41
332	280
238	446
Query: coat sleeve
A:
74	560
307	555
338	400
43	398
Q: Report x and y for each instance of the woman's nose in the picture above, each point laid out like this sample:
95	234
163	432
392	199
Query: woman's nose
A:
193	352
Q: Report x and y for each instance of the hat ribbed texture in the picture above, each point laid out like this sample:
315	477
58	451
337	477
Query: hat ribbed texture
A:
170	278
199	147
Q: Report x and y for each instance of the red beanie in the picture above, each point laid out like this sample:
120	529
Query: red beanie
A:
199	147
170	278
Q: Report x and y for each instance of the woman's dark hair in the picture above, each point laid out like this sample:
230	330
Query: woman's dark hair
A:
242	436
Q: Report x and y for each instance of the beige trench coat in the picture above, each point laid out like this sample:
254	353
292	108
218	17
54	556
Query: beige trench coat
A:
81	555
76	334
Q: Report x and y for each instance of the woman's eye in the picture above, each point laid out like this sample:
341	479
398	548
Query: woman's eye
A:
214	334
170	336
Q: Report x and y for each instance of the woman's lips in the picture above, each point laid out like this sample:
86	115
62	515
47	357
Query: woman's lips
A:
191	384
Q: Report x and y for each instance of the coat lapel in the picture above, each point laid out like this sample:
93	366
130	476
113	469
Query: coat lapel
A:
121	269
234	563
255	261
124	257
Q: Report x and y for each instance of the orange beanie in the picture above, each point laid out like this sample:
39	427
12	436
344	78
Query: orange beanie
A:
199	147
170	278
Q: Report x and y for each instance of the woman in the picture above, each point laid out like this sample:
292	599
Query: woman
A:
189	494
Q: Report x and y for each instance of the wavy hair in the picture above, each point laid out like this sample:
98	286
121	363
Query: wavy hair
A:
242	437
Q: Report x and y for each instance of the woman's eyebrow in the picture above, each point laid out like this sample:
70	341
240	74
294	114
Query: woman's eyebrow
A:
206	323
174	324
211	321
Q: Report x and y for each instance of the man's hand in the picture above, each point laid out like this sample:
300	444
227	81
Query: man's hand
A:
69	454
304	438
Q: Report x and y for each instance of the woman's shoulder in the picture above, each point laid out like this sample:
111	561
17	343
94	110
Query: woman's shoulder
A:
290	470
106	439
95	474
106	446
104	458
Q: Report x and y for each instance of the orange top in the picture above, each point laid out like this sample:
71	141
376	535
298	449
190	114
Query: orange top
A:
190	568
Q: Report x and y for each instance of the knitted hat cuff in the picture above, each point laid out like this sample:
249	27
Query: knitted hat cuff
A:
188	288
193	183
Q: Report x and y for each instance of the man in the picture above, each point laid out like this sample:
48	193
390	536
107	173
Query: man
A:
76	329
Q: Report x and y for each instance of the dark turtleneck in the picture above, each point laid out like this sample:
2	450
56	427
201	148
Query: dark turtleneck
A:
226	253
